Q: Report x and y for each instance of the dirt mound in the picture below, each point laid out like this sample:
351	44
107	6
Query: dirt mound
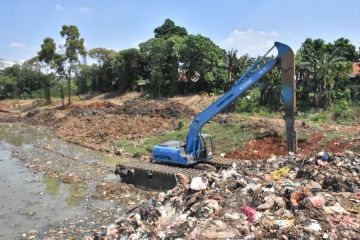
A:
5	107
197	102
264	147
88	109
44	117
260	149
100	130
165	109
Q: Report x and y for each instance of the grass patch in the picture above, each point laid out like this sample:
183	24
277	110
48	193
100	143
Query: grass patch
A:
226	137
131	147
320	117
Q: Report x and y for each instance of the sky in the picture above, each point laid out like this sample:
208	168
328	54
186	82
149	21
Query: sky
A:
249	26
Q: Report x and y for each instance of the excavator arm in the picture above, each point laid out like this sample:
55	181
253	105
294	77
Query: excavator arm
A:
285	56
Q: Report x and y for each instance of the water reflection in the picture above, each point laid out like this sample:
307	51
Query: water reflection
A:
70	193
76	193
52	185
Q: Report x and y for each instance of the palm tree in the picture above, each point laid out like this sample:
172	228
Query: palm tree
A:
324	68
232	63
237	65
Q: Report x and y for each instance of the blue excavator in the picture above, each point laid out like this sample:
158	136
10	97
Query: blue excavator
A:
199	147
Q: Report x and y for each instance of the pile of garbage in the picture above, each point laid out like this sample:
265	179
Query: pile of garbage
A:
279	198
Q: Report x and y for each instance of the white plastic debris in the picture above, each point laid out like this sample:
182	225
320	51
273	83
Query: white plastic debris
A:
213	204
314	226
336	208
232	216
198	183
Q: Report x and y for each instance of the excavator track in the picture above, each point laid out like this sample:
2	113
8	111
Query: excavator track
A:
160	176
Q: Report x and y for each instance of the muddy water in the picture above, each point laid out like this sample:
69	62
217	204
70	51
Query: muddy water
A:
31	200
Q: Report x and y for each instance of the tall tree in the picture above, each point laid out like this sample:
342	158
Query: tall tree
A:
101	54
103	57
346	49
169	29
128	68
47	55
232	63
201	56
320	66
154	51
74	46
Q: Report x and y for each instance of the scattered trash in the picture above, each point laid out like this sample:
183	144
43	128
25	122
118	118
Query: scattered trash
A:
277	174
314	226
317	201
278	198
250	213
337	208
297	197
324	155
284	223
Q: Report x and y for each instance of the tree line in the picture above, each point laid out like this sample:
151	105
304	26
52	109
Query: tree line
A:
174	62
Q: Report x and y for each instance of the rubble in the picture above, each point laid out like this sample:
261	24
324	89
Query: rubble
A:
288	197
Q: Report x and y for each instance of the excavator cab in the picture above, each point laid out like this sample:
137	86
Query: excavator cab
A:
206	147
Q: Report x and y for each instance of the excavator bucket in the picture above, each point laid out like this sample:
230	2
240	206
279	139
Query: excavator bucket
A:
287	66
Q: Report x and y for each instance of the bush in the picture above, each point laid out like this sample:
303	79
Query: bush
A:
342	111
247	106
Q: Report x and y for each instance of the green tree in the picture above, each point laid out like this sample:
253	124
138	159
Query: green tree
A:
169	29
320	66
20	81
346	49
128	67
86	78
103	56
47	55
201	56
162	63
237	65
154	51
8	82
74	46
232	63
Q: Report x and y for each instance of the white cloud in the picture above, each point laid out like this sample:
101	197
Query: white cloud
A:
250	42
59	7
84	9
18	45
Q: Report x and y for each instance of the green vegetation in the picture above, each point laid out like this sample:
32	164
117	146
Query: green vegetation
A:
174	62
